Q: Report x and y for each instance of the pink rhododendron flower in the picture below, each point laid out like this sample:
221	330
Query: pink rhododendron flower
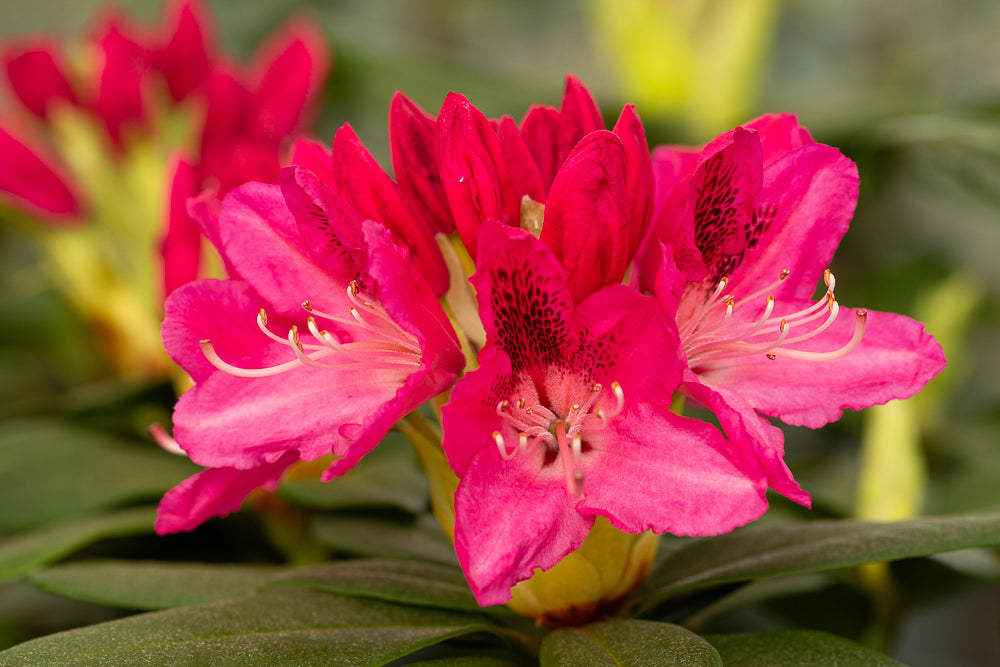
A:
595	185
567	418
279	379
752	220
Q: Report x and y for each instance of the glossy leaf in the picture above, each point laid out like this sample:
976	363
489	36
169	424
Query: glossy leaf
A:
623	643
813	546
404	581
370	536
152	585
22	554
50	470
803	648
388	477
276	626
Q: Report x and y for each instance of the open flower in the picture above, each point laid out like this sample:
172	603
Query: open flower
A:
325	339
745	230
567	418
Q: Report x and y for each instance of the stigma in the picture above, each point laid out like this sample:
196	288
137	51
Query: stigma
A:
562	435
718	331
376	341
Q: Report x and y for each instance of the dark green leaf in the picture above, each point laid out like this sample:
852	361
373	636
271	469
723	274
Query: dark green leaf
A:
813	546
632	642
370	536
802	648
152	585
387	477
278	626
410	582
22	554
50	470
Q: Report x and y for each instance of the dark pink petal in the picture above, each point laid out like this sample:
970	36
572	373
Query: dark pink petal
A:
181	248
215	492
120	99
578	116
240	161
587	218
287	73
510	518
799	217
895	360
261	238
412	138
638	174
721	197
540	128
779	133
33	181
523	168
185	58
315	157
523	300
330	227
654	470
360	180
673	168
35	74
474	171
756	444
228	101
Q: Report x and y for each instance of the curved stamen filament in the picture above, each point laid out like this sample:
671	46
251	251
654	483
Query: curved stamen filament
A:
860	322
574	476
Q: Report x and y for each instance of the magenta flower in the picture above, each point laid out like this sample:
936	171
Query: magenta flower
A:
596	186
746	228
567	418
324	338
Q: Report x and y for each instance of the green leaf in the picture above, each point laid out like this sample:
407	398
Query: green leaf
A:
371	536
278	626
387	477
50	470
409	582
152	585
22	554
813	546
803	648
632	642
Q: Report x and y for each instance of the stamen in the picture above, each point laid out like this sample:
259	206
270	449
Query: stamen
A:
502	447
574	486
860	321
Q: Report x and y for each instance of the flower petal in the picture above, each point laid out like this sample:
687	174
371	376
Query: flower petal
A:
35	74
474	171
184	59
895	360
523	168
654	470
638	174
360	180
512	517
215	492
31	179
587	215
181	248
800	215
412	139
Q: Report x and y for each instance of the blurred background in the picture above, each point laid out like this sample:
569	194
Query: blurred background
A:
909	89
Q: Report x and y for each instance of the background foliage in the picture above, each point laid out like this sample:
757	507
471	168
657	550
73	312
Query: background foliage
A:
907	89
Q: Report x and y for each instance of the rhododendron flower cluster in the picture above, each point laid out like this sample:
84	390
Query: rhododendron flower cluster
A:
578	286
104	144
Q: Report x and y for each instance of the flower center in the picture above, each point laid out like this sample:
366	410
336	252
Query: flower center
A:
563	435
379	343
717	331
